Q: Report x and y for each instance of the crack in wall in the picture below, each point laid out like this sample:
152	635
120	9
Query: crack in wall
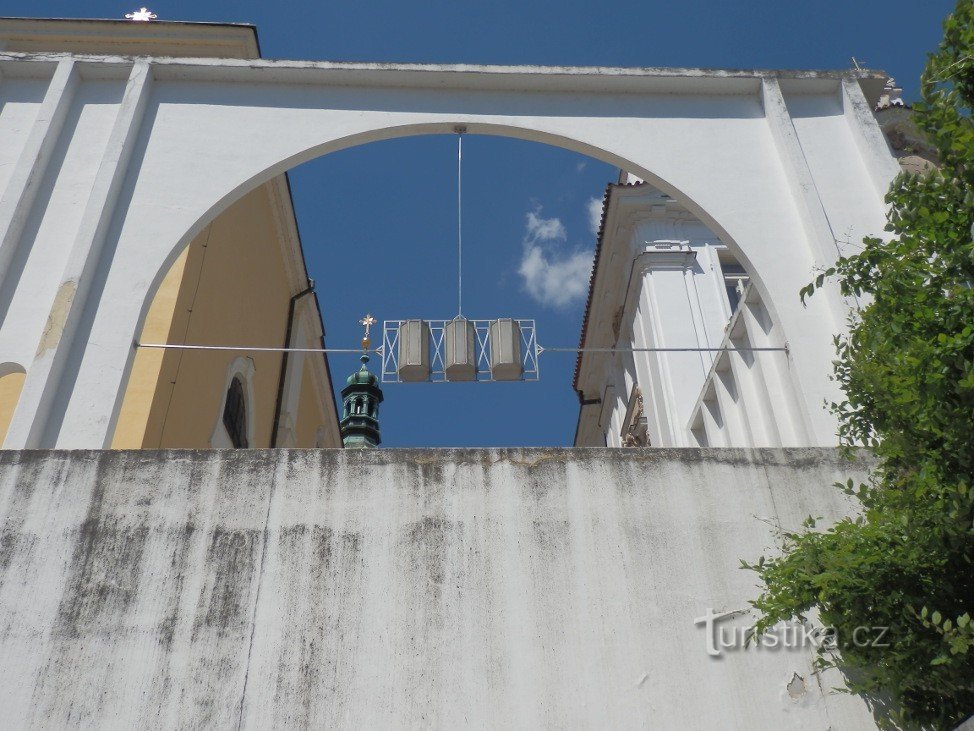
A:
260	583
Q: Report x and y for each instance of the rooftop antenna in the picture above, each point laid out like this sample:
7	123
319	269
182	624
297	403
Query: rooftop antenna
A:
855	63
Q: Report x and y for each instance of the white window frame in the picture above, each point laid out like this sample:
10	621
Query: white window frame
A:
244	369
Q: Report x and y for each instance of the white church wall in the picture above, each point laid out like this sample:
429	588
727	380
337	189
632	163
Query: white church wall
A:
841	177
749	397
677	297
398	588
29	289
116	96
171	164
20	100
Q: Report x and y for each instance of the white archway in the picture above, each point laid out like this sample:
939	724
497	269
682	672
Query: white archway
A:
192	136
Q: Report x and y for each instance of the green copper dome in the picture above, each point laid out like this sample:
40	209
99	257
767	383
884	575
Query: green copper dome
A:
360	409
362	377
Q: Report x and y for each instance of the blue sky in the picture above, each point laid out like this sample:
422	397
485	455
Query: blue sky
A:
528	237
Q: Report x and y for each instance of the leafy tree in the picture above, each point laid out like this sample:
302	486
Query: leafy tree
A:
906	368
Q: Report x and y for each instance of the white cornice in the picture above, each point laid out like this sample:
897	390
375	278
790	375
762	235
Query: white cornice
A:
540	78
624	254
665	255
124	37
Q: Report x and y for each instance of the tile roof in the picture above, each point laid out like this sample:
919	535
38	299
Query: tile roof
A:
595	267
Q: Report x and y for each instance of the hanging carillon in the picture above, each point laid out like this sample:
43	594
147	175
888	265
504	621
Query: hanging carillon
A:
456	350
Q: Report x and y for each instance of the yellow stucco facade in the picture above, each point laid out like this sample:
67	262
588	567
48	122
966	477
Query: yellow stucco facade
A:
231	286
11	384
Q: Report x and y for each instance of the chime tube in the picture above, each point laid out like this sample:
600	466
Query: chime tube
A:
413	359
506	362
460	352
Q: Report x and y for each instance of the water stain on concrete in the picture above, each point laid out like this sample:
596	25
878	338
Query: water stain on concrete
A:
57	317
528	587
231	565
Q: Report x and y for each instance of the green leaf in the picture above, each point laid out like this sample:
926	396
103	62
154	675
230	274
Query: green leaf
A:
905	368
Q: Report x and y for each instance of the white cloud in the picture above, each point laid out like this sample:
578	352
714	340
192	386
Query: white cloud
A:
543	229
594	208
552	276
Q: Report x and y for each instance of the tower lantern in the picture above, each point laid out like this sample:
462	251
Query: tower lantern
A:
360	401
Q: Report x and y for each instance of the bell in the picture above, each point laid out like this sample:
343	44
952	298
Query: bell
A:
414	351
460	362
506	363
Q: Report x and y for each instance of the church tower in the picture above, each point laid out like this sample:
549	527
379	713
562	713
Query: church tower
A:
360	399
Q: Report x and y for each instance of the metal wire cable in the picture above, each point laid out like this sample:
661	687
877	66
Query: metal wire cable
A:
459	223
544	349
254	348
540	349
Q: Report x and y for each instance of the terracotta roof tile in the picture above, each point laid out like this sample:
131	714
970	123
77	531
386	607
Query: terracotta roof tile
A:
595	267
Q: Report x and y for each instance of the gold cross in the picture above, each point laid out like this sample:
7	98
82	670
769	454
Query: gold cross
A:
142	14
368	321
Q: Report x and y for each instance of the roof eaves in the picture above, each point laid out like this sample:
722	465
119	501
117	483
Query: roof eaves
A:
606	200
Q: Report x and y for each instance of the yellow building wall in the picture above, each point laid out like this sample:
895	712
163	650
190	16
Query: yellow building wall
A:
308	419
229	287
153	370
10	388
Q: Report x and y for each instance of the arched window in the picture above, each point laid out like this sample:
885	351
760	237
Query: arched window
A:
235	414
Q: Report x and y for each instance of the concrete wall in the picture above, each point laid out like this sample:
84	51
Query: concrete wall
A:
441	588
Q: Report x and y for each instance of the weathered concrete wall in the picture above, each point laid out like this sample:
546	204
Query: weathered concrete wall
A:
527	587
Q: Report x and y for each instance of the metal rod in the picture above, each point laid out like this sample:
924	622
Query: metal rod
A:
540	349
460	132
248	348
545	349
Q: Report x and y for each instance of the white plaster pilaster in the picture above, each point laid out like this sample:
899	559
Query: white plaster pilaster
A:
668	317
791	417
49	386
818	230
17	200
715	432
648	373
736	427
869	138
808	334
753	391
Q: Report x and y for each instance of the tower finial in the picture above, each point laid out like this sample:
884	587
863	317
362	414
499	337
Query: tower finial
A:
141	15
361	398
368	321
